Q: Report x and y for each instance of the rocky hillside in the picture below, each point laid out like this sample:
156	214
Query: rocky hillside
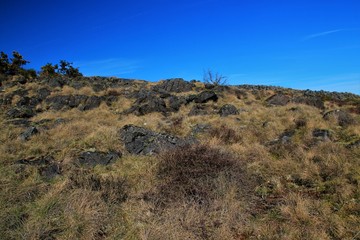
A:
110	158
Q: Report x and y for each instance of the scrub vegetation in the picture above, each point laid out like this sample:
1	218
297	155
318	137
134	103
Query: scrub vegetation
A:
109	158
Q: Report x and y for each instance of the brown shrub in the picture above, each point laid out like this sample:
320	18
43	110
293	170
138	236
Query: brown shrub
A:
226	134
192	174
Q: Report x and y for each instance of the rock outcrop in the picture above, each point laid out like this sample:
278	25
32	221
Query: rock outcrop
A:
140	140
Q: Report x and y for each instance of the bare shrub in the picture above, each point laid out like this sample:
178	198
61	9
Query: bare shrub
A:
191	174
215	79
226	134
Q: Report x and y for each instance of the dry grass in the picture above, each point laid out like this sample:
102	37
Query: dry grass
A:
236	183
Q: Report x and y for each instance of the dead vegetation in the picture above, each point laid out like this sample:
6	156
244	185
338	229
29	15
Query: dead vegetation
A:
268	172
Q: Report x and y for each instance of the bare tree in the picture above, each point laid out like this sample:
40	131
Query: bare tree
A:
214	79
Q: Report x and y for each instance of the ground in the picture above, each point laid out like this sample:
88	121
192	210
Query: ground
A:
108	158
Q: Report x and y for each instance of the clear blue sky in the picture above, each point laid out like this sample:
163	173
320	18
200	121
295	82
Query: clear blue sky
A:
292	43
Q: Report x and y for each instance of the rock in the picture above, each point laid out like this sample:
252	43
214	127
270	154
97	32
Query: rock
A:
47	167
43	93
19	122
76	100
206	96
148	103
49	171
321	134
20	112
59	121
198	109
286	136
313	101
241	94
58	102
175	103
343	118
91	103
44	160
174	85
139	140
72	101
200	128
30	131
284	139
278	100
228	109
56	82
91	159
190	98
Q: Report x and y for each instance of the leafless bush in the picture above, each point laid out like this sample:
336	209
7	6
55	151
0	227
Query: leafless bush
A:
215	79
226	134
191	174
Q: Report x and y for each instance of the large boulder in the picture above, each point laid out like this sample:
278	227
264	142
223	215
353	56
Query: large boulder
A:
228	109
140	140
206	96
91	159
278	100
147	102
72	101
91	103
343	118
175	103
174	85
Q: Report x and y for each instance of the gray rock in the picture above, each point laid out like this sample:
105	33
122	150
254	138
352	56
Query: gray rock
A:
206	96
19	122
228	109
91	159
148	102
20	112
344	118
278	100
313	101
46	165
43	160
43	93
49	171
139	140
30	131
91	103
321	134
200	128
174	85
69	101
175	103
199	109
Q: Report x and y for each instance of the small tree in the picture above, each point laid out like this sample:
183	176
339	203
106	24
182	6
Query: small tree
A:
214	79
48	70
67	69
4	63
64	68
17	62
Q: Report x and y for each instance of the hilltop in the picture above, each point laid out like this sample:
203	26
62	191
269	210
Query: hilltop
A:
111	158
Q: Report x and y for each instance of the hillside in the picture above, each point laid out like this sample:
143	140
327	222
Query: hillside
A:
110	158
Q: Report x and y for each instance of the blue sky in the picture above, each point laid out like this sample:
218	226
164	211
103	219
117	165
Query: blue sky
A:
299	43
